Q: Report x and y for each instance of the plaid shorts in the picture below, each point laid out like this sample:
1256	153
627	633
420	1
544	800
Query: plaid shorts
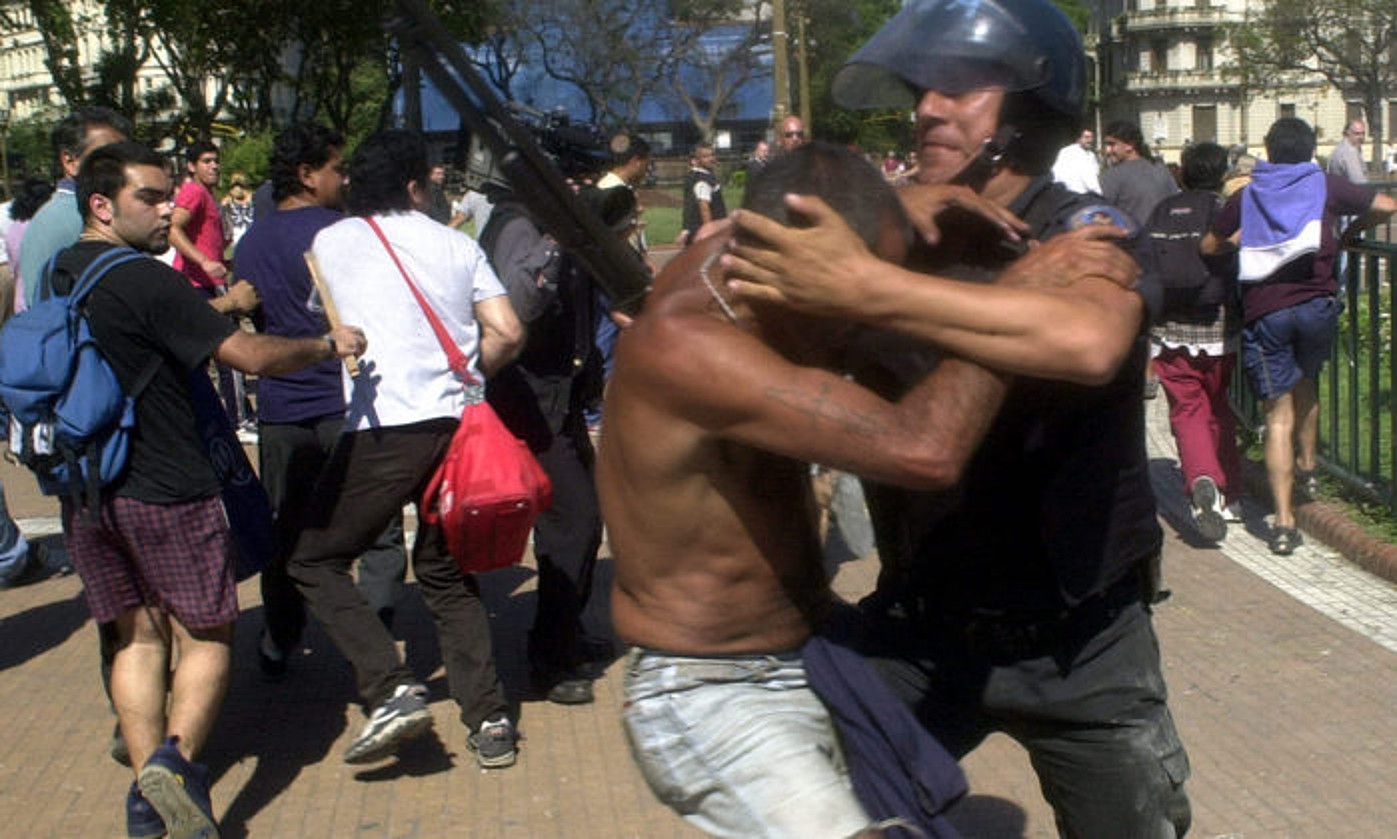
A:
178	558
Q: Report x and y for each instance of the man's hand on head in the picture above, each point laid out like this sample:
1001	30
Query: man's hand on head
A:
1090	252
816	269
925	202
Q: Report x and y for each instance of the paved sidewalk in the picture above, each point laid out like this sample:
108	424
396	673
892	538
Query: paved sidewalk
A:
1286	708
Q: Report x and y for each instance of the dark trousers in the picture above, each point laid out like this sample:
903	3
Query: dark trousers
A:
1091	712
546	412
291	456
369	476
566	541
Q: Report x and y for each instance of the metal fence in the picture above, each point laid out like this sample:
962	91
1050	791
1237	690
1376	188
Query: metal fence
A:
1358	387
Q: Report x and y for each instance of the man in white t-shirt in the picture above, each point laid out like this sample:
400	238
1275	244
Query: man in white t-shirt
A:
1077	166
474	207
401	412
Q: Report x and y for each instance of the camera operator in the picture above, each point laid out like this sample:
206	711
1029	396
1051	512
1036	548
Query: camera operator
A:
542	397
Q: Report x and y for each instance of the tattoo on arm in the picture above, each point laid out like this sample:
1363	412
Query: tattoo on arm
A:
819	409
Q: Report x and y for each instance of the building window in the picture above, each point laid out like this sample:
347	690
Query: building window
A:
1285	110
1205	123
1159	56
1203	55
1352	111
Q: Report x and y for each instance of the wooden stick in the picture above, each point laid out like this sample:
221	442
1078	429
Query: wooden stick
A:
351	363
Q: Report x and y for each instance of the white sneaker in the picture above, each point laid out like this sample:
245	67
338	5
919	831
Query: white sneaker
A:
1207	509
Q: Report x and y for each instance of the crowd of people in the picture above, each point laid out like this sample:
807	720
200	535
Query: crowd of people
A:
963	337
1270	293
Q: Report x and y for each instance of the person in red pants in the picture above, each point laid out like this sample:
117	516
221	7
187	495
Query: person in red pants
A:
1196	341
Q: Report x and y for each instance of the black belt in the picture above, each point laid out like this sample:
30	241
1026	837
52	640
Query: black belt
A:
1004	635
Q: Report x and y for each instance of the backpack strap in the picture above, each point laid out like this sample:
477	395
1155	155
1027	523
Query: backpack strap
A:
44	290
93	483
96	270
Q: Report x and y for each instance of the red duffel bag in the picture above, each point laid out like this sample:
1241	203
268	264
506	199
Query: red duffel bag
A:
489	489
487	493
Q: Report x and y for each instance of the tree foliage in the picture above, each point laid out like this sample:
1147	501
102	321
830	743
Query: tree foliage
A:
1352	44
612	51
716	47
58	30
836	29
258	64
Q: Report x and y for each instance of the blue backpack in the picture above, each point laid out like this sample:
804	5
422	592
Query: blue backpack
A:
70	420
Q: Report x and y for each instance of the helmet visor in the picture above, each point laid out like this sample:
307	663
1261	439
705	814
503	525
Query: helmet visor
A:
951	46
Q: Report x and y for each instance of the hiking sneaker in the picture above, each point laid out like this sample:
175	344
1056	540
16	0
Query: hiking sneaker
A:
117	747
1284	541
1207	509
142	820
402	717
495	744
178	789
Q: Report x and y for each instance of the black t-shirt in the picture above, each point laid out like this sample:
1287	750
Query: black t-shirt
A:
139	311
1056	503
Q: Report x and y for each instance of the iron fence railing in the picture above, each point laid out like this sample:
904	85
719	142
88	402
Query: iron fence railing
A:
1358	387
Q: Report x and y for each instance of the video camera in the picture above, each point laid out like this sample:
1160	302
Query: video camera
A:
519	156
576	148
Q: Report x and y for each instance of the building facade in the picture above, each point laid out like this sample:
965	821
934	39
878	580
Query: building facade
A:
1161	64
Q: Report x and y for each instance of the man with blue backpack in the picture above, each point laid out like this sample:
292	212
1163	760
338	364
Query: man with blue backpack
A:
142	514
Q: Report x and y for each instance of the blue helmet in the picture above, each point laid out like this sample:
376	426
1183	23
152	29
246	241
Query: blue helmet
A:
953	46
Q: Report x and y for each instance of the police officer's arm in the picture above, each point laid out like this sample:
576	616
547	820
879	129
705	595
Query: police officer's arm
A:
702	371
274	355
1061	312
501	333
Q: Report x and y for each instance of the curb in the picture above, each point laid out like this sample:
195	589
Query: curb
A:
1328	523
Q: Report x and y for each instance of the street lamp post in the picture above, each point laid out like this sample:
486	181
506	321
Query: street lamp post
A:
779	63
5	148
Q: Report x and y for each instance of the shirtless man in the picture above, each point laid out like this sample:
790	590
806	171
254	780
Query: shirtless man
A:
713	412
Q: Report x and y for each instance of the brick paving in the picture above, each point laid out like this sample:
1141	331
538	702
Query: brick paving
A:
1286	711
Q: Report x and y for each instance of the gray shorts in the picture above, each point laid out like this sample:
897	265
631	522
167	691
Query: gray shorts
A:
739	745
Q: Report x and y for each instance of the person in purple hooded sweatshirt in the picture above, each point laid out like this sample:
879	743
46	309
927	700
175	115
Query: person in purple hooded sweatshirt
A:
1284	222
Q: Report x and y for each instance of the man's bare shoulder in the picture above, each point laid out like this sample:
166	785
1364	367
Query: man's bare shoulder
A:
678	360
681	349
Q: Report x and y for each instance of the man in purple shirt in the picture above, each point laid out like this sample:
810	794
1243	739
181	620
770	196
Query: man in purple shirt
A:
300	414
1290	312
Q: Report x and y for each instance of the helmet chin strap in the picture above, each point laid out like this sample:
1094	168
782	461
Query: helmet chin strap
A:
984	165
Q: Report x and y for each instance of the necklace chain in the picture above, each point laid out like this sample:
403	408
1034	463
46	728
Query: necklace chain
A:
712	289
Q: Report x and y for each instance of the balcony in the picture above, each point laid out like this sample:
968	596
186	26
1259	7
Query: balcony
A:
1154	20
1172	81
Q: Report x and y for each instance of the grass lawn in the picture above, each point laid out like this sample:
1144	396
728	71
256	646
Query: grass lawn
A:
663	213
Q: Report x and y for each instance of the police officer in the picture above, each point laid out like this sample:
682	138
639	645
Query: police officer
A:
1020	600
